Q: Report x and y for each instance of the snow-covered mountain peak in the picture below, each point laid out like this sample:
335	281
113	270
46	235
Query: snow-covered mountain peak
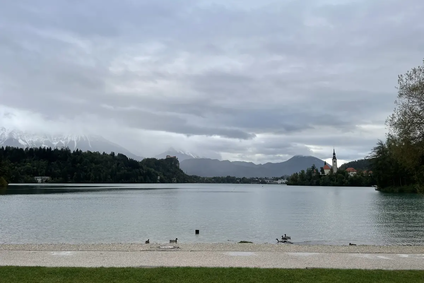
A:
14	137
174	151
180	154
17	138
189	154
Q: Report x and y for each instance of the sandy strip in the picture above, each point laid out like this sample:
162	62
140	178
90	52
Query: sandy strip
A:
213	255
134	247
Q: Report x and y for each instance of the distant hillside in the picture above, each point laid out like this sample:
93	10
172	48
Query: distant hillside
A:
205	167
361	164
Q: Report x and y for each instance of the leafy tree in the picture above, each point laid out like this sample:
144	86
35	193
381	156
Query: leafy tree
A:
407	123
3	182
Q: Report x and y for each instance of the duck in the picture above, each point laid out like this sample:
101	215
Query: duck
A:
173	241
147	242
283	241
285	237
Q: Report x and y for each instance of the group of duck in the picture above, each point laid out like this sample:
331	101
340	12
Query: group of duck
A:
170	241
284	239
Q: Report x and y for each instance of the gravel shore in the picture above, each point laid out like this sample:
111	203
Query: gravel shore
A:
247	247
212	255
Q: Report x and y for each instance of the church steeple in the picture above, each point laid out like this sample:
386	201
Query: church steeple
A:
334	161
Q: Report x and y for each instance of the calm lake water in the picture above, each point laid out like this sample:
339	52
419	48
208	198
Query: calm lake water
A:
222	213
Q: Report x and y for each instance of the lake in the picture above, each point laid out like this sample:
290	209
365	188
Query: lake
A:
132	213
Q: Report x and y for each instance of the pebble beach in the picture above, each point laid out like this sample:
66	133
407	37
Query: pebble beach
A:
244	247
213	255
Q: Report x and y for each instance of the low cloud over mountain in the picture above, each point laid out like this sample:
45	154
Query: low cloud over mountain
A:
249	80
21	139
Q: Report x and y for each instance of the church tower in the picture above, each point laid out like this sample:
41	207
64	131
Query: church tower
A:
334	161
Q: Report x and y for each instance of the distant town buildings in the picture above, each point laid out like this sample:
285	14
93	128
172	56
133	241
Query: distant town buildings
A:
351	171
42	179
267	180
327	168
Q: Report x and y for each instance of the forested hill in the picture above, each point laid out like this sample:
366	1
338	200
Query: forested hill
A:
361	164
19	165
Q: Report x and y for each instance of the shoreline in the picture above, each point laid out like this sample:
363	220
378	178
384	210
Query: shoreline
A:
213	255
214	247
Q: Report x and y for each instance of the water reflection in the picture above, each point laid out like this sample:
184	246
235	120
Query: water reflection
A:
102	213
61	189
28	190
399	218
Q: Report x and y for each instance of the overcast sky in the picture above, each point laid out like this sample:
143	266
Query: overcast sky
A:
245	80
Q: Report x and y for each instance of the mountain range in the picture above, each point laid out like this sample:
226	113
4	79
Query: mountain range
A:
190	163
22	139
213	168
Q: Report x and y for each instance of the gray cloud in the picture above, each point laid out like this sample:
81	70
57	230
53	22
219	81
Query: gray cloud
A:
259	81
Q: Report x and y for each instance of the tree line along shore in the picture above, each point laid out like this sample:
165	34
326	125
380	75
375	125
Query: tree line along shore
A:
18	165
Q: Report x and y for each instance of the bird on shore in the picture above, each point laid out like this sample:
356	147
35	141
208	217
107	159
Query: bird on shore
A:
147	242
285	237
350	244
283	241
173	241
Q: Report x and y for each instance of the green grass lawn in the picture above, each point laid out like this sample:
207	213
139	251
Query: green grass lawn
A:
13	274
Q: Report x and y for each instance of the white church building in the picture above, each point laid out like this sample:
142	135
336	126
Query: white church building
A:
327	168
